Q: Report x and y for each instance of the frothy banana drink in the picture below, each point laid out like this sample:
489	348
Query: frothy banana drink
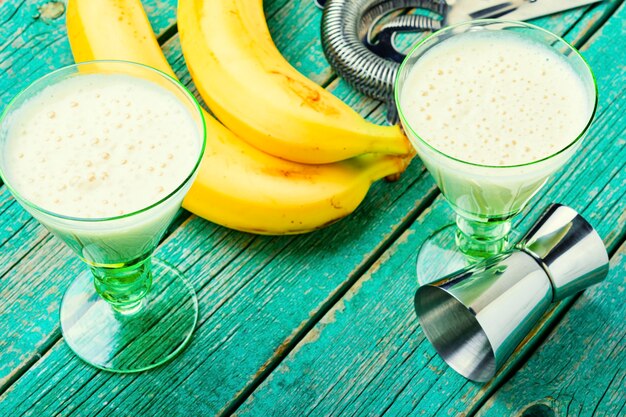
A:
493	99
103	146
100	146
102	154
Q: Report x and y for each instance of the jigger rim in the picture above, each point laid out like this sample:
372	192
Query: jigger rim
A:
465	347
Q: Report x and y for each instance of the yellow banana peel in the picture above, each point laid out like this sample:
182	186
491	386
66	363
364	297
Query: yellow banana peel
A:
237	186
258	95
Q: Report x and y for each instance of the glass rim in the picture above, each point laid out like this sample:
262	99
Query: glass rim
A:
482	22
66	68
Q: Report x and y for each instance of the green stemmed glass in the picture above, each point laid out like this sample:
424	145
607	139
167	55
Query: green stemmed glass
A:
127	312
484	197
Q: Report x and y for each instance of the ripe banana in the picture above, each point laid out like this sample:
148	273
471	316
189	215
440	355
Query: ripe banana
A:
237	186
257	94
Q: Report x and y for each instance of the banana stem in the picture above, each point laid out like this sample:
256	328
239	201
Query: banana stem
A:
387	166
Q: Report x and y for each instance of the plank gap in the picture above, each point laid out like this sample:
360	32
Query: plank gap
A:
329	81
539	341
597	25
55	337
575	24
273	363
167	34
40	353
41	242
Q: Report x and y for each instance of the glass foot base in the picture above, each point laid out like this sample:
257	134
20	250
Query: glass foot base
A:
136	340
440	256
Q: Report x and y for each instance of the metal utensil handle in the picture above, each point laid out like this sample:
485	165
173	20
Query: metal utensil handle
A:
383	44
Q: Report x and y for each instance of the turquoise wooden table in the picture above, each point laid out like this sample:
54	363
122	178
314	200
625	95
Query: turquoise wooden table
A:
320	324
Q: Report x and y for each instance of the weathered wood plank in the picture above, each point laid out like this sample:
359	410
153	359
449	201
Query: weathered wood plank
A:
33	39
561	23
591	21
581	368
295	27
22	235
18	237
224	344
256	294
367	356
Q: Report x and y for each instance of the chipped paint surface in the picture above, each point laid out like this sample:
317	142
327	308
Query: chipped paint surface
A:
261	297
50	11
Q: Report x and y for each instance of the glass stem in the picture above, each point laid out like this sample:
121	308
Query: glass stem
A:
124	287
482	239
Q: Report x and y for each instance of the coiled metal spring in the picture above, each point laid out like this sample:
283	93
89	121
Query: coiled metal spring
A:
371	69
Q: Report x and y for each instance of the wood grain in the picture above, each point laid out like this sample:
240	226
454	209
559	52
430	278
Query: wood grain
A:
581	368
367	355
259	296
33	39
244	282
591	21
21	235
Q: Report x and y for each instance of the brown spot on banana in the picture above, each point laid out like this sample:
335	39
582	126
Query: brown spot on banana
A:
393	177
310	97
304	174
336	204
290	231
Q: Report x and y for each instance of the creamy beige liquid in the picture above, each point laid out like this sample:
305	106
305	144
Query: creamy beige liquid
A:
100	145
495	99
480	104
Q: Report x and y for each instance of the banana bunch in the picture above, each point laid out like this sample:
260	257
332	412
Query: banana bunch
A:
238	185
258	95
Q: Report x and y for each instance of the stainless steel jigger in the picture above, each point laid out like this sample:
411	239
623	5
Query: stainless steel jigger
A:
476	317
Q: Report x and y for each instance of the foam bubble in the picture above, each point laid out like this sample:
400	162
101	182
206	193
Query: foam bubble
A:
511	100
79	150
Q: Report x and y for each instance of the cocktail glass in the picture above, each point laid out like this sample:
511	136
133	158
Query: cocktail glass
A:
485	198
128	312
